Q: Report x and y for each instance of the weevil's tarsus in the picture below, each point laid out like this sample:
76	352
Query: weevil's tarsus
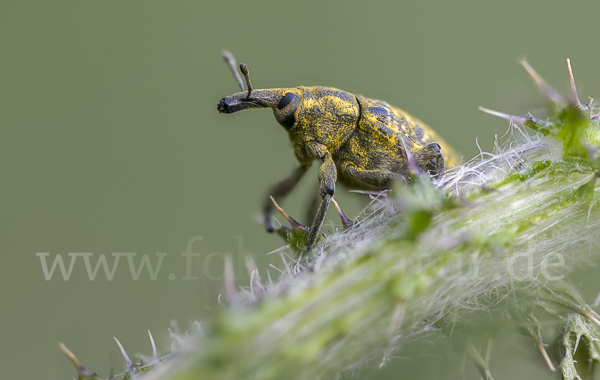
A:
230	60
546	90
319	218
345	221
246	73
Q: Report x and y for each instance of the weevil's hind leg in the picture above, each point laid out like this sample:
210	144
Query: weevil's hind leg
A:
318	222
280	190
379	179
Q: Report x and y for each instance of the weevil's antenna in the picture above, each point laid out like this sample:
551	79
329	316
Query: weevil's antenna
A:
230	59
246	73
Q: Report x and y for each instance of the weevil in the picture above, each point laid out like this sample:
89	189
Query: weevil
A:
362	142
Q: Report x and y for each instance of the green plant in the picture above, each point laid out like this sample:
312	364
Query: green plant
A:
481	250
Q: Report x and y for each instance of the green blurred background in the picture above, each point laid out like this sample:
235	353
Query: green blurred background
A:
111	142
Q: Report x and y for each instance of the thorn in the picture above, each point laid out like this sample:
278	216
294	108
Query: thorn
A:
345	221
503	115
591	315
488	352
69	354
250	264
546	357
397	317
573	88
546	90
411	163
377	193
127	360
291	220
230	279
255	282
154	352
76	364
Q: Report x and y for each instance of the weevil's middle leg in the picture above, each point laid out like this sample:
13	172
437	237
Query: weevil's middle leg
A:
279	190
379	179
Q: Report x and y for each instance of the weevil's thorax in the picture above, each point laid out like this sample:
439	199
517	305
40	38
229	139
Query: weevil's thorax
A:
327	116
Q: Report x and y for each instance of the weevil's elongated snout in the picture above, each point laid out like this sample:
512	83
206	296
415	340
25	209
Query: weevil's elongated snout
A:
231	105
268	98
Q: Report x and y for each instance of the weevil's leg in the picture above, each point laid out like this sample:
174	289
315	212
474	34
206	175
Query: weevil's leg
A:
313	207
327	178
316	226
380	179
280	190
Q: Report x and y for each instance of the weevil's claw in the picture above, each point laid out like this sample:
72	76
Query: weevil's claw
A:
345	221
546	90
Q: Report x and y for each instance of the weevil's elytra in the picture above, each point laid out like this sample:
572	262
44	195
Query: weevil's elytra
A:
360	141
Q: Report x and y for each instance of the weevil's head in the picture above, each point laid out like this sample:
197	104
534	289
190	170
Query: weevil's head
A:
430	159
285	103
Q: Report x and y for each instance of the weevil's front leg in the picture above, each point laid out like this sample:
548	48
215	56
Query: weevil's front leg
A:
279	190
327	178
313	207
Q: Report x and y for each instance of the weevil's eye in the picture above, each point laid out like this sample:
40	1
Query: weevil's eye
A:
287	99
285	112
